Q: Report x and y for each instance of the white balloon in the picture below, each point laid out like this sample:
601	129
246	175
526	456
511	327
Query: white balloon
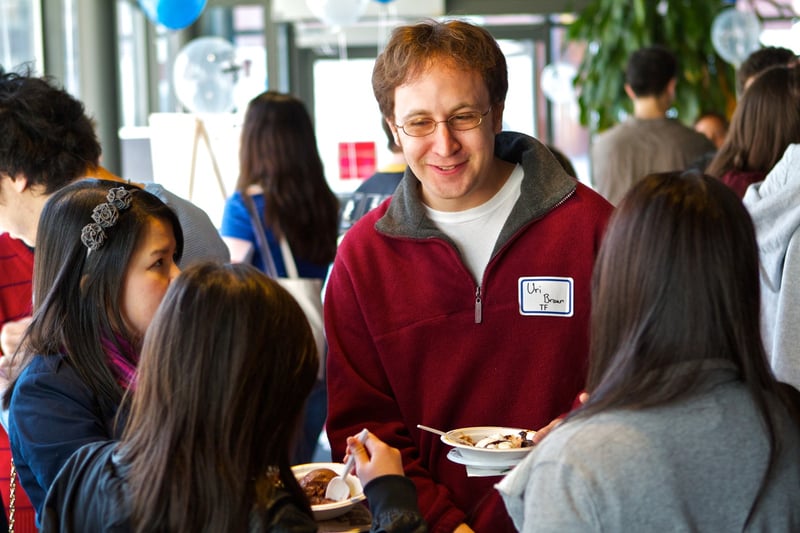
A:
204	74
556	82
338	13
735	35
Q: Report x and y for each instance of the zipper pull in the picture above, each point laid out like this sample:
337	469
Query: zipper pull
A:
478	306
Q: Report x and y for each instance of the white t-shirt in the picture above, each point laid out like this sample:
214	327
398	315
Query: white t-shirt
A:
475	230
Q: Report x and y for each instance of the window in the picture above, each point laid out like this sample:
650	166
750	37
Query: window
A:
20	35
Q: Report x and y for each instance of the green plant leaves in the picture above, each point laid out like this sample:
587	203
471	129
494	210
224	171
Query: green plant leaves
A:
615	29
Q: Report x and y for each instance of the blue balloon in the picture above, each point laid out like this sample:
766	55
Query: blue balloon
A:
174	14
384	1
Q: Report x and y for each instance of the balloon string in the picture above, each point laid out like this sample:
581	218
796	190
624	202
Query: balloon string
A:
383	27
342	45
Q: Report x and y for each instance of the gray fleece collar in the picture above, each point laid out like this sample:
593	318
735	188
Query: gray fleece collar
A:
545	185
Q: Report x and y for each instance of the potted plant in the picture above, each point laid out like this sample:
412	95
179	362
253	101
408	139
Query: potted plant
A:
613	29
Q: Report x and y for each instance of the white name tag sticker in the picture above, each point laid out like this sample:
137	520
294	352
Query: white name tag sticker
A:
545	296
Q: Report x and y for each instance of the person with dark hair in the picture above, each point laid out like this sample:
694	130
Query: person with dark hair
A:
766	121
776	214
281	172
280	167
761	60
463	300
208	439
378	187
648	141
685	427
105	256
46	142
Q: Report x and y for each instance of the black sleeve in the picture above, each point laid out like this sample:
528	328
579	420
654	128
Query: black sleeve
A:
393	503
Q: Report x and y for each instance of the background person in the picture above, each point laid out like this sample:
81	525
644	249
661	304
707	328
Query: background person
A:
761	60
766	121
280	169
96	291
423	313
647	141
208	443
685	427
378	187
713	125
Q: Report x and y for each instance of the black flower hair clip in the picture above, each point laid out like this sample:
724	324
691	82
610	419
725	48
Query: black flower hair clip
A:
105	215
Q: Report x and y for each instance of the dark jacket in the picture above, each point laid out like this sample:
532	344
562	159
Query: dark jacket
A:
53	413
90	495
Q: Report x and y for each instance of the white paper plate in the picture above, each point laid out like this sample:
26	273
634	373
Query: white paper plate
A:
455	456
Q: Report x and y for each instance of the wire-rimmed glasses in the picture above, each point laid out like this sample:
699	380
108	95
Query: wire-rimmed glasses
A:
420	127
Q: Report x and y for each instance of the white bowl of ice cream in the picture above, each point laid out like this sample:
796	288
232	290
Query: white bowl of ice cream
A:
325	510
490	444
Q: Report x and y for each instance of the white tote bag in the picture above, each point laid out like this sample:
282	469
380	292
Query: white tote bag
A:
306	291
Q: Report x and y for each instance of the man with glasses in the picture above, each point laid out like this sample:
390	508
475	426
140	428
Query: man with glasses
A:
464	299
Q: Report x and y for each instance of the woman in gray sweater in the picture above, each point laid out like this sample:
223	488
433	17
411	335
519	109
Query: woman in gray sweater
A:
685	428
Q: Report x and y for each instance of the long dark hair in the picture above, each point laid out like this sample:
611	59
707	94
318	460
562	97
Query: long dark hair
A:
765	122
675	286
226	366
279	153
76	293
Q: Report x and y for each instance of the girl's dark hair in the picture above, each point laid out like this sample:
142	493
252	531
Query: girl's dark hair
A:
76	293
765	122
226	366
676	285
279	152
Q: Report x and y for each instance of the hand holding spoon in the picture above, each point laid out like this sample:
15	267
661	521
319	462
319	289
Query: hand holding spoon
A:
338	488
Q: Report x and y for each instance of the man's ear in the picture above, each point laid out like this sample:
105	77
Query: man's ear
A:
671	88
20	183
497	116
629	92
393	128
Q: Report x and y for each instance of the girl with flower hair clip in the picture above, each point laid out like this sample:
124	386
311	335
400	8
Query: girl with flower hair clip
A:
209	435
105	256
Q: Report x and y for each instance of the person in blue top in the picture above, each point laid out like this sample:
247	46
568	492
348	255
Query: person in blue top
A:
105	256
280	169
281	172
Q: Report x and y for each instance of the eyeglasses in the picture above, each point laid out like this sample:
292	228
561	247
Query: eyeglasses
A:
420	127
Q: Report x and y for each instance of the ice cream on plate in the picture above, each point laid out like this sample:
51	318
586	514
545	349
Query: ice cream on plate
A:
499	441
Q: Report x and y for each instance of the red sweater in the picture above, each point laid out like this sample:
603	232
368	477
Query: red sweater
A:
16	272
740	180
405	348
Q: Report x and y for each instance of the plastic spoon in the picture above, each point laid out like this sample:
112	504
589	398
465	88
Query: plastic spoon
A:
432	430
338	488
455	438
